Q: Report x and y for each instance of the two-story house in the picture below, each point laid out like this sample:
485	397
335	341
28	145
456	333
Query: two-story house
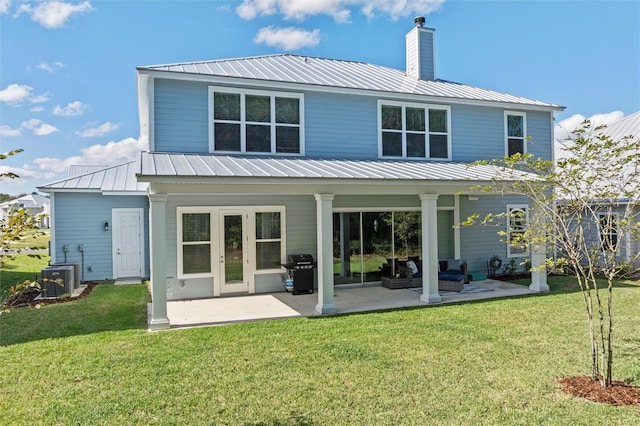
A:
253	159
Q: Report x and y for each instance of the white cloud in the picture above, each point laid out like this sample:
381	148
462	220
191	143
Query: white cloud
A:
15	94
37	109
105	155
7	131
563	129
289	38
339	10
49	67
73	109
40	98
99	130
54	14
4	6
38	127
22	172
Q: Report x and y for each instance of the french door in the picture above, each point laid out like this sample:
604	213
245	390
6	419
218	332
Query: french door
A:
233	252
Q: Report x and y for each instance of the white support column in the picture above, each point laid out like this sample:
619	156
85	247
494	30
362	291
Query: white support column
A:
157	241
429	204
538	257
324	205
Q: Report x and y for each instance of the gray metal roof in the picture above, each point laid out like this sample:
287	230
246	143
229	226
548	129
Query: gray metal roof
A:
79	169
121	178
628	126
333	73
176	165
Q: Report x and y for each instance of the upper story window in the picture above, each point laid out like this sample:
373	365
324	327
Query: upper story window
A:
414	130
515	131
255	122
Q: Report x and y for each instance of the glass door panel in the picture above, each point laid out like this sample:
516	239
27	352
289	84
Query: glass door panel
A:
377	247
407	231
233	259
347	248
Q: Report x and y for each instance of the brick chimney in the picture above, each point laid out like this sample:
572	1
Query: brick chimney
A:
421	62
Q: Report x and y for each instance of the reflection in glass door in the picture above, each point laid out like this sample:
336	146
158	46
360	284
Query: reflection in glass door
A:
368	245
233	258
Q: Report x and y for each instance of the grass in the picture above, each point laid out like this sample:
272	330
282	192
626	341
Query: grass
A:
34	239
493	362
20	267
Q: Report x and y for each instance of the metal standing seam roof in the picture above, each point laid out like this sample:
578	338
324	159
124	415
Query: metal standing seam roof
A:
170	165
628	126
334	73
120	178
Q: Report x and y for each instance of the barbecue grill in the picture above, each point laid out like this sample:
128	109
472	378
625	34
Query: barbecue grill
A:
300	268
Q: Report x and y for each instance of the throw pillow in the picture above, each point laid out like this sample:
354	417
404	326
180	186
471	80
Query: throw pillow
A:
453	265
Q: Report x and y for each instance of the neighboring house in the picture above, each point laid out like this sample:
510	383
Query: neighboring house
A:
611	212
34	204
254	159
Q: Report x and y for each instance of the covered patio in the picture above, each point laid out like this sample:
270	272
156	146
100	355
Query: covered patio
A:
219	311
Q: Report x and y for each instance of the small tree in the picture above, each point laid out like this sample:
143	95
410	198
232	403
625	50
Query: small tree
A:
585	210
14	227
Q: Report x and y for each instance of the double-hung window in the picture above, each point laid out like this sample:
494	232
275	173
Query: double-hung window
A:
269	241
515	130
414	130
194	242
256	122
518	218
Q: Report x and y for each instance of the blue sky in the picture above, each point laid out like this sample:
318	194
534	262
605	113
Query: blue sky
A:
67	68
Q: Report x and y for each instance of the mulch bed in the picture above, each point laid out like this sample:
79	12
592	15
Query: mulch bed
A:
29	299
618	394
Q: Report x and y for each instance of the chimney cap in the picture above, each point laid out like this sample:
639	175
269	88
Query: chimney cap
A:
419	21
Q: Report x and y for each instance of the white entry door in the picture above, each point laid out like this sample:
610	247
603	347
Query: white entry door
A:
233	252
127	243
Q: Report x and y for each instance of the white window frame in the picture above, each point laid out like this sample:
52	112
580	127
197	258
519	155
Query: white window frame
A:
179	235
506	131
510	209
253	240
404	131
243	122
214	212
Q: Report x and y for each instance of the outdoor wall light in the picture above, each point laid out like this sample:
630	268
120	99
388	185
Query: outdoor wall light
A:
106	225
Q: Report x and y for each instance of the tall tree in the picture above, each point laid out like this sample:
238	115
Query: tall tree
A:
586	211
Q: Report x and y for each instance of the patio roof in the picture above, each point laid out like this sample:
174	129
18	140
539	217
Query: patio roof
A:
156	166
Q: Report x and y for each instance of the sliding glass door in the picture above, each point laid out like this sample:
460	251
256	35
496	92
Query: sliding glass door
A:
365	243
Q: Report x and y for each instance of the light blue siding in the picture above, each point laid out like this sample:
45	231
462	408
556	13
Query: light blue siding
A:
181	116
478	133
540	129
341	126
446	241
478	243
79	219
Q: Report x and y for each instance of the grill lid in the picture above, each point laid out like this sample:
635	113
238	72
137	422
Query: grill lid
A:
300	259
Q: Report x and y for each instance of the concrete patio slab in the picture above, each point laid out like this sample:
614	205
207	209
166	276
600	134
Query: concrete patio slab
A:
218	311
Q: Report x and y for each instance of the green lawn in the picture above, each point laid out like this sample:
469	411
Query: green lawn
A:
20	267
34	239
492	362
